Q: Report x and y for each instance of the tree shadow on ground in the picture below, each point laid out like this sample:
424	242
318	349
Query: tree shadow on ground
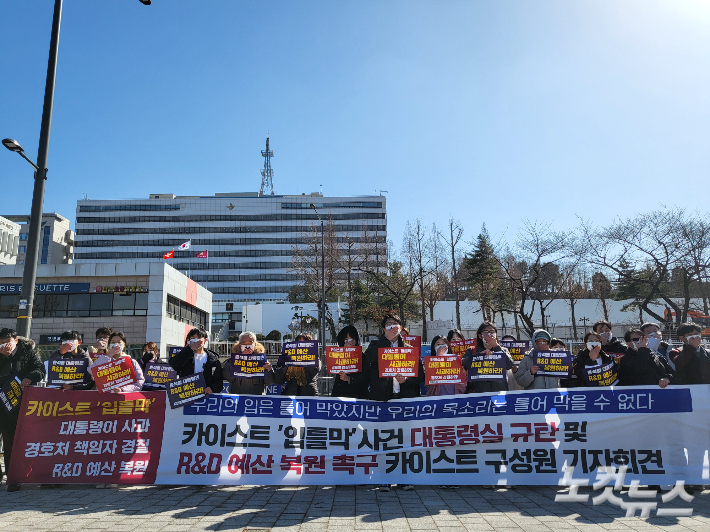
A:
282	508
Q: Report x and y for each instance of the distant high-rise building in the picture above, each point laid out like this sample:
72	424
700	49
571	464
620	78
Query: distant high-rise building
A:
9	241
245	240
56	239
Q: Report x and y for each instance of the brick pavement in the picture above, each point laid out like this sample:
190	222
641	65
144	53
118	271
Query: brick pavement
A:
325	509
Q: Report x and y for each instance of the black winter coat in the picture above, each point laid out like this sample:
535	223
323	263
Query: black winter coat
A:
583	359
184	364
615	345
643	368
383	389
499	385
692	367
23	362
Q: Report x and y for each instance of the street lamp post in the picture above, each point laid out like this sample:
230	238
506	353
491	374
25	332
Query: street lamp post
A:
322	266
29	274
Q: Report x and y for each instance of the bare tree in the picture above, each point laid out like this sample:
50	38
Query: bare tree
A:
537	247
438	279
572	291
453	236
642	251
416	248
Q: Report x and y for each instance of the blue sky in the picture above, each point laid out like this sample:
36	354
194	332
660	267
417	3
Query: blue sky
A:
488	111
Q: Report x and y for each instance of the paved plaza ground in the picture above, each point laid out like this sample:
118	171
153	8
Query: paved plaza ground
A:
327	509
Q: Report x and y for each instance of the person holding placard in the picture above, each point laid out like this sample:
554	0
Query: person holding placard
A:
440	348
70	350
487	345
297	380
592	356
349	384
18	360
116	345
692	361
151	353
243	385
642	367
527	376
196	358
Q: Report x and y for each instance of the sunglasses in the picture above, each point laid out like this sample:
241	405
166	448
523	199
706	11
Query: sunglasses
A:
635	339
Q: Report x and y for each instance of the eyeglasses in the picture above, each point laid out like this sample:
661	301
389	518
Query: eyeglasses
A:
488	332
635	339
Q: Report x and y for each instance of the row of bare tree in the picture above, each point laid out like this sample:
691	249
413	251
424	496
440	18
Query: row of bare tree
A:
660	257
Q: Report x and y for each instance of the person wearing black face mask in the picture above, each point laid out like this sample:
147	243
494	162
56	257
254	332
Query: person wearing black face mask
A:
640	366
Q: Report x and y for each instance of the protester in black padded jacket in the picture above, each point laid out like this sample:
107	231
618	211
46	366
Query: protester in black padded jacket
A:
195	358
640	366
18	357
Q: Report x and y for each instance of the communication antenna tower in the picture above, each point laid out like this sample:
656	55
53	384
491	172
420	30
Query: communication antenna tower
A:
267	174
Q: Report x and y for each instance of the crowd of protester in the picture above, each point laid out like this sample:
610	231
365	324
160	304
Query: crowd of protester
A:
642	358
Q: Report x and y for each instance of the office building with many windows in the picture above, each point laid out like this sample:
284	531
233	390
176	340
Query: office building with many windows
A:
56	239
241	244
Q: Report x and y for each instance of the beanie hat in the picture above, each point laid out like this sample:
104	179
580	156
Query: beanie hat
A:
541	334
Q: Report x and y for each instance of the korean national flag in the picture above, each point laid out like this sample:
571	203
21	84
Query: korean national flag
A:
185	245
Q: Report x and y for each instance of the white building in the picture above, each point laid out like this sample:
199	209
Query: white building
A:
9	241
147	302
248	238
56	239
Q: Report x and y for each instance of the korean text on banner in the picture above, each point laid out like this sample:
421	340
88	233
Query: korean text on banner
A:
248	366
402	361
158	374
488	367
67	371
459	347
554	363
517	349
186	390
604	375
113	374
443	370
301	353
343	359
80	437
480	439
10	395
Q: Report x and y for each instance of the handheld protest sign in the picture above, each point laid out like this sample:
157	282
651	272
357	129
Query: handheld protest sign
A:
343	359
304	354
517	349
186	390
443	370
604	375
412	340
67	371
488	367
243	366
158	374
553	363
113	374
402	361
172	351
459	347
10	394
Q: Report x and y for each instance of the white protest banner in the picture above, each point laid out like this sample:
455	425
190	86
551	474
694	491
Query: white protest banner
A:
515	438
